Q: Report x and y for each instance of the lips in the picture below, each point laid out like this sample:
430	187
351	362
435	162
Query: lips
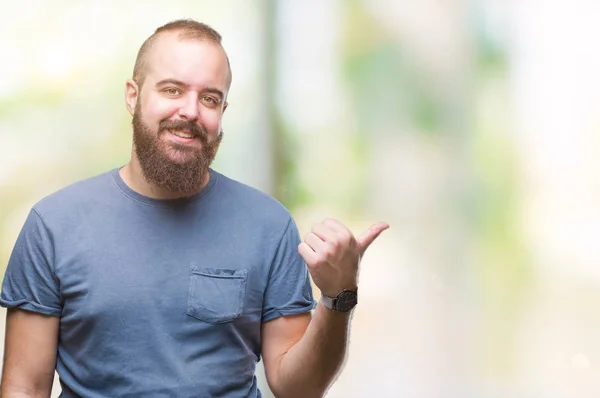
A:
182	133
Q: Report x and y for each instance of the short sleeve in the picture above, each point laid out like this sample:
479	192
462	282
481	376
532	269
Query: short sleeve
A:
289	291
29	282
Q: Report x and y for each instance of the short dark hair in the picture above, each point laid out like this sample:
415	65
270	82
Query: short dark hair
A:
188	29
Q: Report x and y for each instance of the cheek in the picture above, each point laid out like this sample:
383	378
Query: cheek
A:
212	122
156	112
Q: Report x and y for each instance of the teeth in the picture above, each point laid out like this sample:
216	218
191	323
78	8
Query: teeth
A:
181	134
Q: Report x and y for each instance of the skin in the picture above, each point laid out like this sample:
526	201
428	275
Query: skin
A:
187	80
30	346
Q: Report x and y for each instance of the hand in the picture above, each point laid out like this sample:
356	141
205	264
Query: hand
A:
333	254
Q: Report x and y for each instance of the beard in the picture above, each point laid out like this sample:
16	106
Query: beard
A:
188	167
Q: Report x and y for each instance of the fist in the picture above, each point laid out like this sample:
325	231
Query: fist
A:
332	254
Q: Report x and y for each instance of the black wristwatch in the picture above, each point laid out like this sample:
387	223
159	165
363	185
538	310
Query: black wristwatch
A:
343	302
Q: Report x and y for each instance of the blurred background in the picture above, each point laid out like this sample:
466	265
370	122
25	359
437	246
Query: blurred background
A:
470	126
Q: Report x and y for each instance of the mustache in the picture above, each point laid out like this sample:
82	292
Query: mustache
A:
193	128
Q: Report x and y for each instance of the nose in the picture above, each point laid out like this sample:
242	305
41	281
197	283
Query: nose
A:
189	108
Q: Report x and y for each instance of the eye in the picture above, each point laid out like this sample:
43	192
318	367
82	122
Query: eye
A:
210	100
172	91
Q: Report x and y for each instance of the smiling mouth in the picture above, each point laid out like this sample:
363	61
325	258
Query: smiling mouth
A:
182	134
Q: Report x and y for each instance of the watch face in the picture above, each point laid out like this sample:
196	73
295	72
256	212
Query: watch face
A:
346	301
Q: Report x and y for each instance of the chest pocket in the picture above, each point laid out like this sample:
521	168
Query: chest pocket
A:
216	295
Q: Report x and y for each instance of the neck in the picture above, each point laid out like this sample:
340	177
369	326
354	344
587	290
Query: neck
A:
132	175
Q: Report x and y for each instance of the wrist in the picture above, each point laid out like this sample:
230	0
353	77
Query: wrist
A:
334	316
344	301
334	290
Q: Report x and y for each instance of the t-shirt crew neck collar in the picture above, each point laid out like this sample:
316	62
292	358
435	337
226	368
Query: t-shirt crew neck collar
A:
163	202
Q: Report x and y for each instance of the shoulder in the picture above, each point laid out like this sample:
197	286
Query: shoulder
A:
250	198
75	196
249	205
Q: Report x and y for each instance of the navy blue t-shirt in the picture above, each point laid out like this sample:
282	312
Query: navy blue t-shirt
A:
158	298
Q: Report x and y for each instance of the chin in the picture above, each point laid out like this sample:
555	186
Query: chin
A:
180	153
180	159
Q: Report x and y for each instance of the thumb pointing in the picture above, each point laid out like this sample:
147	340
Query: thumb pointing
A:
367	237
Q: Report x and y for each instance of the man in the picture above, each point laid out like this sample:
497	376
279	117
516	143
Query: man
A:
164	278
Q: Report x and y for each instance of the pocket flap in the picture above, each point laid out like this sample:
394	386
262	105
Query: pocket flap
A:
216	295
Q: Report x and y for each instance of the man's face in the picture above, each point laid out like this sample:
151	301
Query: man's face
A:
178	111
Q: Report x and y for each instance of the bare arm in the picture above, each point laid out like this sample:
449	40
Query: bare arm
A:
29	354
303	359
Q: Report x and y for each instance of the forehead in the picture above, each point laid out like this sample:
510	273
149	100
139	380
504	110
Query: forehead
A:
196	62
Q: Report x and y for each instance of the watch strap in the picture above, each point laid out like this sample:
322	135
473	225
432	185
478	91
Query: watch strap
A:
332	303
328	302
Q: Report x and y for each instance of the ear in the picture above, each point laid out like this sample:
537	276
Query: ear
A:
225	106
131	95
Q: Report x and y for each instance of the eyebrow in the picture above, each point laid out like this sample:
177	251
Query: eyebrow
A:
176	82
